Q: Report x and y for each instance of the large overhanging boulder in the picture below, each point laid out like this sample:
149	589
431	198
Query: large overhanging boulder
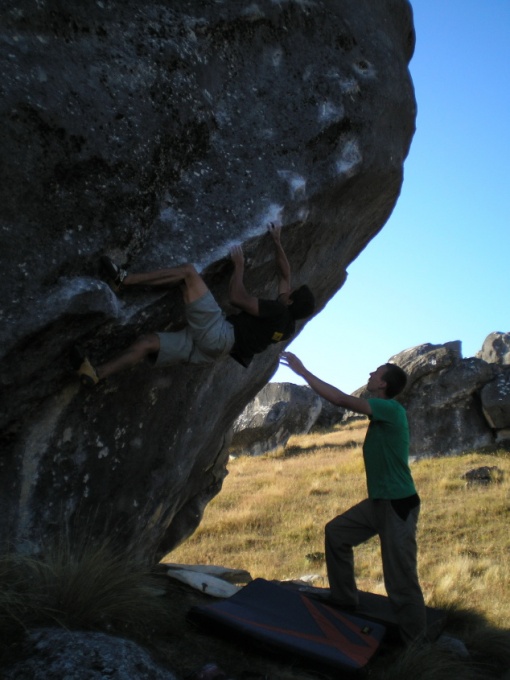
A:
160	133
495	397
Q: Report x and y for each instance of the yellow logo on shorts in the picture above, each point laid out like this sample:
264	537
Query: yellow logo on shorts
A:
277	336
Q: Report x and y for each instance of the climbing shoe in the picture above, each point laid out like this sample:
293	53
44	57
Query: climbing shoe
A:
112	273
81	364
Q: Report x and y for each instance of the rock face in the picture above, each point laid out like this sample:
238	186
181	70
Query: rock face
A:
444	410
162	133
495	397
279	411
454	404
55	653
496	348
329	416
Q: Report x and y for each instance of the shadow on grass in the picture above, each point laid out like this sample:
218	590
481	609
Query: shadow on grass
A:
470	648
297	450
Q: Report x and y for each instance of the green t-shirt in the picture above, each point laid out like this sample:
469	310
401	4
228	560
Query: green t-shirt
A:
386	451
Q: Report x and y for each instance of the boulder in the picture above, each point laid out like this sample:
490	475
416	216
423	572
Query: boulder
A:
495	396
496	348
444	412
56	653
157	134
503	437
454	405
279	411
329	416
487	474
420	361
426	359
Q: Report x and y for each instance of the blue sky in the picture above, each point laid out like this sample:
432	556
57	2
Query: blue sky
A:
449	234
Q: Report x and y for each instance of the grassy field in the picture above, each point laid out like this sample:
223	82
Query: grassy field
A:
270	515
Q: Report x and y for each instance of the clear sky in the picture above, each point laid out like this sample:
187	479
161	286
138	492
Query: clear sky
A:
449	235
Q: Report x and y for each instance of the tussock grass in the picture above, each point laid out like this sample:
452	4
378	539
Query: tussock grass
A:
89	587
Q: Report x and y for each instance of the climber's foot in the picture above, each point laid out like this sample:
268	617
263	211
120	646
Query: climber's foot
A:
81	364
112	273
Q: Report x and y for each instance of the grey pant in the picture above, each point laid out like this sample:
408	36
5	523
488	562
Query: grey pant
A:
207	336
399	551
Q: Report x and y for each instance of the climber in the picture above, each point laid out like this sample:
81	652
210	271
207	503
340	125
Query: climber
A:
208	335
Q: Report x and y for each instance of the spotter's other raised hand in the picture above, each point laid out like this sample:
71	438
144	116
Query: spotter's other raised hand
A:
292	361
237	256
274	230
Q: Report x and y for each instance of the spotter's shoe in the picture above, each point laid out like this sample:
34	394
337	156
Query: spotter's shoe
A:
112	273
325	597
81	364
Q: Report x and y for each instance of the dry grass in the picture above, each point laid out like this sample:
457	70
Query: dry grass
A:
269	514
465	549
272	510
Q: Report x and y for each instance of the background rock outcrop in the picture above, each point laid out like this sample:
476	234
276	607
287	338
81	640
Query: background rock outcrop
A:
159	133
329	416
454	404
443	405
54	653
496	348
277	412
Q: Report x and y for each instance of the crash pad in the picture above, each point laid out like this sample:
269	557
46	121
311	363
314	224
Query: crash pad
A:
287	619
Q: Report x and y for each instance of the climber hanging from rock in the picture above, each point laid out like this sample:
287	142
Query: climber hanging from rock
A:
208	334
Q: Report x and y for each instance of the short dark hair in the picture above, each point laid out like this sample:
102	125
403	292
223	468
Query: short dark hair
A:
303	303
395	379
